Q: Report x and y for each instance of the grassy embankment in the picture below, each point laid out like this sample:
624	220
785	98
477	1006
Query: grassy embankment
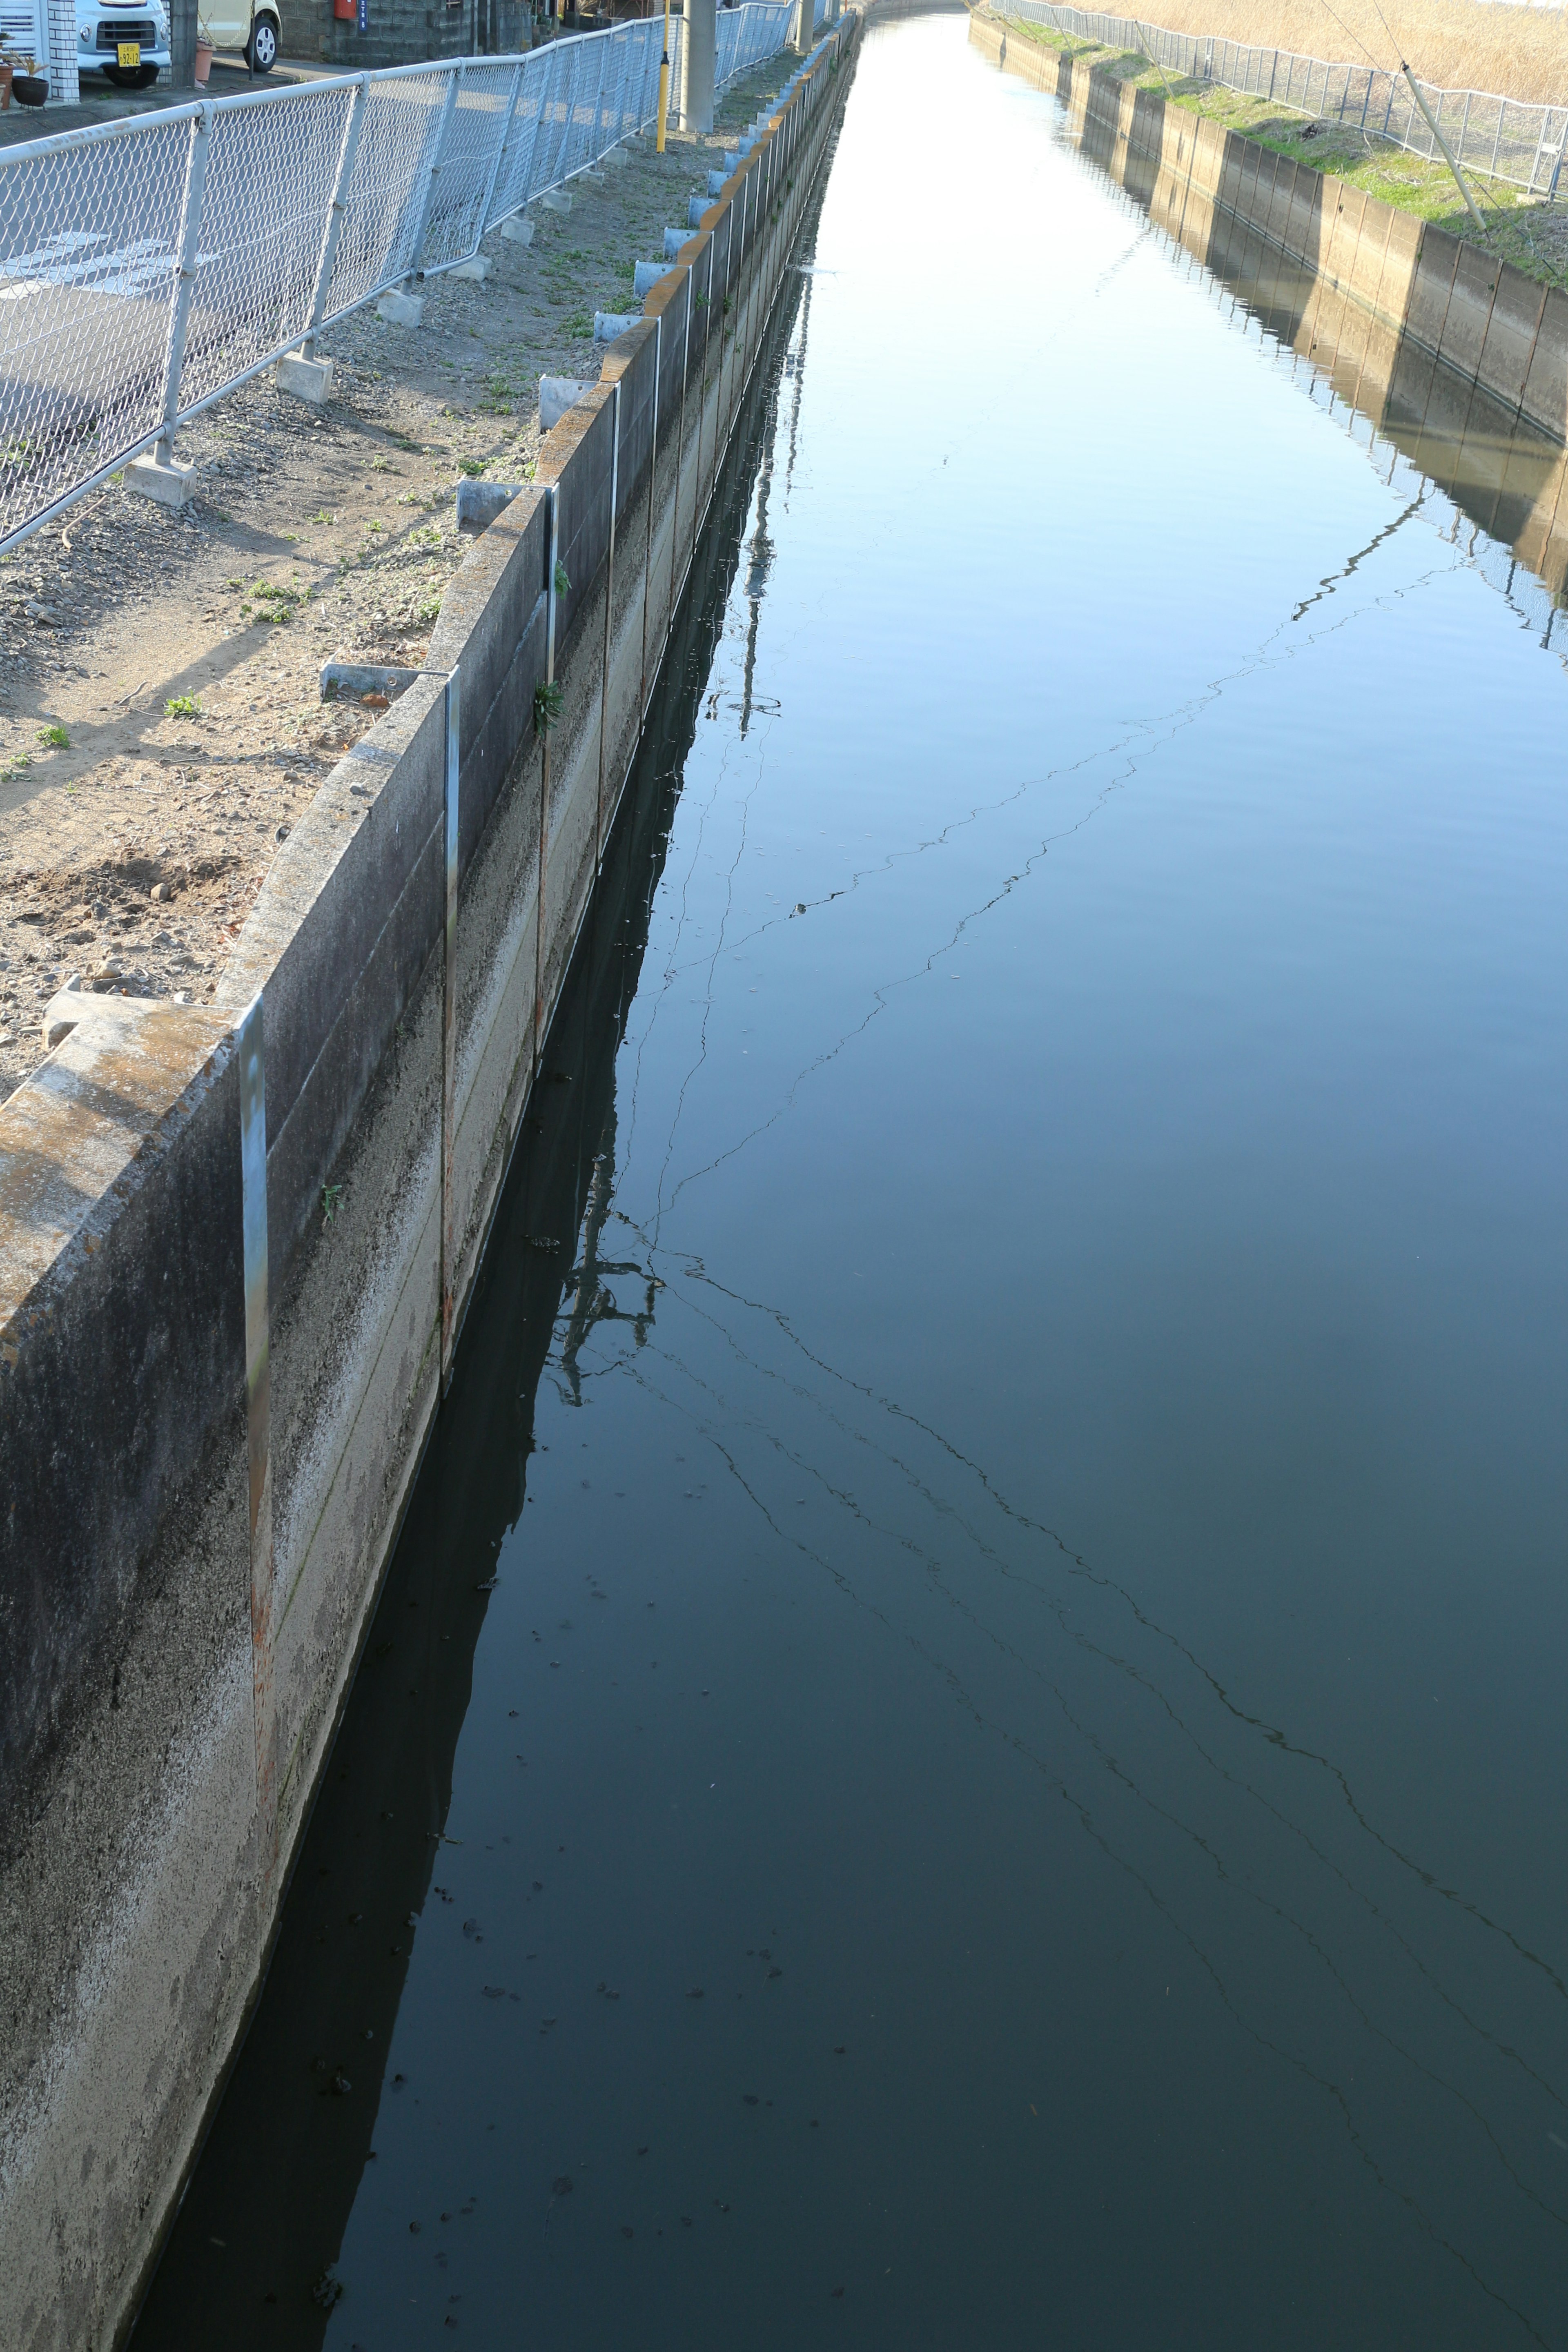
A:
1522	229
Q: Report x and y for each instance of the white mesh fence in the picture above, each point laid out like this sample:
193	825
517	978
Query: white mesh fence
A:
1503	137
746	36
149	266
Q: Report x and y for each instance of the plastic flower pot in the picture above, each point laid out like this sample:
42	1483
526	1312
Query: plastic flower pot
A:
29	89
203	63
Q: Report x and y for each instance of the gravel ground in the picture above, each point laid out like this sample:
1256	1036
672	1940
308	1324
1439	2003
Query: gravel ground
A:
161	726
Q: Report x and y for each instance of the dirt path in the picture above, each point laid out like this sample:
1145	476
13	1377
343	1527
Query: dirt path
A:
161	726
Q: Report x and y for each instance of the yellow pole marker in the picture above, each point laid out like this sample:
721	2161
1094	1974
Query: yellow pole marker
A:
664	79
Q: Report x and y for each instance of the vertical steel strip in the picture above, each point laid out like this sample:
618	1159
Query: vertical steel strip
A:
451	700
346	155
680	457
259	1415
644	691
184	285
609	606
553	561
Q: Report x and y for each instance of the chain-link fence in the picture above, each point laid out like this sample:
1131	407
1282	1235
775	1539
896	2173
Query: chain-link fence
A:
1503	137
149	266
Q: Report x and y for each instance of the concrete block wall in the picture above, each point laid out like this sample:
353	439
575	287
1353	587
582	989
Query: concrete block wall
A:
1461	360
142	1862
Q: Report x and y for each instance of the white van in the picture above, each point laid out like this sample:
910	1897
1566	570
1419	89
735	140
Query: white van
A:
127	40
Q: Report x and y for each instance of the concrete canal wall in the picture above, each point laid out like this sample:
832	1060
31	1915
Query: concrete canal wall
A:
1481	318
1463	363
202	1484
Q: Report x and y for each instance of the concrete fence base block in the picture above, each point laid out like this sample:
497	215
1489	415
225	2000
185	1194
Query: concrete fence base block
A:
608	324
479	503
171	486
646	275
716	181
308	380
595	177
674	238
617	160
401	310
557	200
557	394
477	268
695	209
517	231
348	681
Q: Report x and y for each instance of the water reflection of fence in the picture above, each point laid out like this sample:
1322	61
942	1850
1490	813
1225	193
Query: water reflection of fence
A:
149	266
1506	137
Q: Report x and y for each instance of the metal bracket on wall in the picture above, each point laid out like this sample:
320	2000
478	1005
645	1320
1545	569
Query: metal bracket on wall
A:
553	566
450	710
609	613
258	1413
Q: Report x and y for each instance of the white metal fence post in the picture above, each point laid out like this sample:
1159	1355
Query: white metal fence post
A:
501	157
433	175
189	254
350	149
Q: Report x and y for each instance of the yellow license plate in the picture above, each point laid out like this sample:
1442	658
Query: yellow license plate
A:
130	53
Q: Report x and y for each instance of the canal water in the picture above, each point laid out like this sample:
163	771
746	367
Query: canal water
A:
965	1745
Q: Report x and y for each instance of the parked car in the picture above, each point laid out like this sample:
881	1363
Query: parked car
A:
127	40
256	33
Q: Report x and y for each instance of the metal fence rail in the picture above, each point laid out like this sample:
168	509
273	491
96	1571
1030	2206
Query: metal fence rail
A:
1504	137
149	266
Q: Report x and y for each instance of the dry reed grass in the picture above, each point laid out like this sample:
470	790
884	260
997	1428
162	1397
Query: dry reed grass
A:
1459	44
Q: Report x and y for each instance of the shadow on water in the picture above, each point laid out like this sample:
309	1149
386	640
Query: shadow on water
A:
271	2196
1500	475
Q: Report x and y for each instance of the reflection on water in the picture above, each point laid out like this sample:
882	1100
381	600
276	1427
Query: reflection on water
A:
965	1744
1490	482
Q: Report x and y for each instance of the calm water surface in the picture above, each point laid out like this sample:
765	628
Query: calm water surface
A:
966	1743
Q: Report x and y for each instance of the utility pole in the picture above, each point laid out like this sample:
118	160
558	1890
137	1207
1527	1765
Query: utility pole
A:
699	35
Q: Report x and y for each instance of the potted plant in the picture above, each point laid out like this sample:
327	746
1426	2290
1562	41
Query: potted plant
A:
28	87
204	55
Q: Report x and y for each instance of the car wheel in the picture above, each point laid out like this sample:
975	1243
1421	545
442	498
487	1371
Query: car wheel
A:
131	76
261	55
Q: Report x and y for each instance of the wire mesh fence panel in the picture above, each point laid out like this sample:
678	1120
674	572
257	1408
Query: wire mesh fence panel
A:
1507	139
146	265
513	183
473	128
88	238
269	177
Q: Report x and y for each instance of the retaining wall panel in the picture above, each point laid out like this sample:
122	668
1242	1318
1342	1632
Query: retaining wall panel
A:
1421	259
339	937
1345	205
1545	397
1517	306
505	572
578	460
1304	231
110	1144
1281	196
1465	320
